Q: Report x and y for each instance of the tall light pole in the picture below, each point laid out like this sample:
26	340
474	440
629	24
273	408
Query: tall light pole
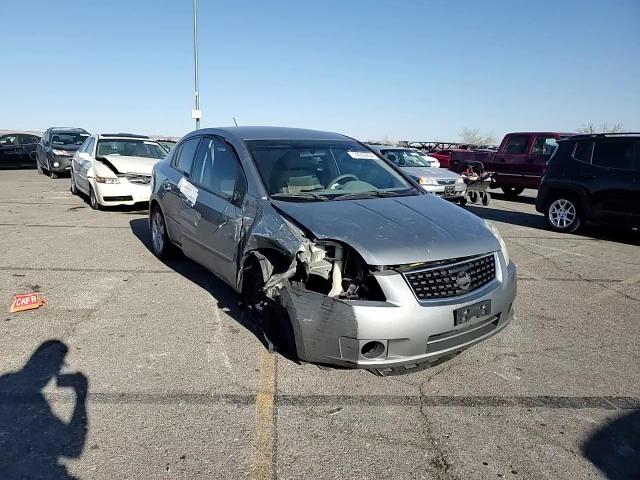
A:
196	114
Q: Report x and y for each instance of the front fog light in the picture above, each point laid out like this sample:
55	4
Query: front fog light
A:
109	180
503	246
56	164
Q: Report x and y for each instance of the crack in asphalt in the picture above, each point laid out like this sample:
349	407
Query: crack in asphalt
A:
580	277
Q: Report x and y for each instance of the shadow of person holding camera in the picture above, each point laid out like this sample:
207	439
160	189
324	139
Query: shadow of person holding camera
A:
32	438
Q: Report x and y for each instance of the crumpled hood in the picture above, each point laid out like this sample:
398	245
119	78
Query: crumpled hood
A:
142	165
394	231
440	173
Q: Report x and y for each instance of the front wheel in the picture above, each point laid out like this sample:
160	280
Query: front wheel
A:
160	242
512	191
72	188
563	214
93	199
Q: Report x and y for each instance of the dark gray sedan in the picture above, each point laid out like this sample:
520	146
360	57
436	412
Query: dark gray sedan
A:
335	245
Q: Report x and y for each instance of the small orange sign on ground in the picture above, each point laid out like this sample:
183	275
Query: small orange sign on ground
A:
27	301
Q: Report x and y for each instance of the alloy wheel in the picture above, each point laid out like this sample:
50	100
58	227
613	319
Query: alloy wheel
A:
157	232
562	213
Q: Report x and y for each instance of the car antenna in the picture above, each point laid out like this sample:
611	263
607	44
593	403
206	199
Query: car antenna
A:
234	121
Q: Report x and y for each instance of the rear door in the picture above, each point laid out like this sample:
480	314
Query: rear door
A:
171	195
9	151
211	223
614	194
28	145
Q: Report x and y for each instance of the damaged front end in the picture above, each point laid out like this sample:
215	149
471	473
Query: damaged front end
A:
345	312
315	282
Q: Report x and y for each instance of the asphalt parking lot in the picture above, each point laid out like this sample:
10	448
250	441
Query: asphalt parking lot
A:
180	385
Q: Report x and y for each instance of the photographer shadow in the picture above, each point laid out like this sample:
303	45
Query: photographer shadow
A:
32	438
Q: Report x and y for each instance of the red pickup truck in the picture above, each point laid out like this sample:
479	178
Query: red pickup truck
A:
518	163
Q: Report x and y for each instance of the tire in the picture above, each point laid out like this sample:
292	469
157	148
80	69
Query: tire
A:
473	197
72	188
93	199
271	317
160	244
512	192
486	199
563	214
462	202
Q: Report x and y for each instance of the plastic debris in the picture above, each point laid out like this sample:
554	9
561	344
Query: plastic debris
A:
27	301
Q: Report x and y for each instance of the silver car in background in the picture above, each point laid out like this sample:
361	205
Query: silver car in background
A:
333	244
438	181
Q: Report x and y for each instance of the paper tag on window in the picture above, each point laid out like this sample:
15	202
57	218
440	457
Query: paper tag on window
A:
188	190
362	155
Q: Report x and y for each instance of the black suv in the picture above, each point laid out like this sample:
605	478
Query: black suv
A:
592	178
56	149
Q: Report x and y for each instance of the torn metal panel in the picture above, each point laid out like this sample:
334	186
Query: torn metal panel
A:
318	321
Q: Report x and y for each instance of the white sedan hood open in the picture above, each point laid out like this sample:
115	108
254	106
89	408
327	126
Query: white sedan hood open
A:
122	164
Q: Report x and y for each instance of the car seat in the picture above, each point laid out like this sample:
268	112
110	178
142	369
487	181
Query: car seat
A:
293	173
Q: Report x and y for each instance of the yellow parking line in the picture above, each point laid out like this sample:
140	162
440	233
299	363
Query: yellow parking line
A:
263	467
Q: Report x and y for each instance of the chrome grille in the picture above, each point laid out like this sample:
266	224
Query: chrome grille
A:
138	178
453	279
446	182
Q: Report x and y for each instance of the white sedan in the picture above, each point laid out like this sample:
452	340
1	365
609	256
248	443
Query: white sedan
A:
115	169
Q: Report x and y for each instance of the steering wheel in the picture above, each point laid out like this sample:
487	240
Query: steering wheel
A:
335	183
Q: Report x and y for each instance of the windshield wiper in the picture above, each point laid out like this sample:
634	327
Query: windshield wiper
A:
308	196
374	194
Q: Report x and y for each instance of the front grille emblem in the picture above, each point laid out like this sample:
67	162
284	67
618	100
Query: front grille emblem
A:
463	279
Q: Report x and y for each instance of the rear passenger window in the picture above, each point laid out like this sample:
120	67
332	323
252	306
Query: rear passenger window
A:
185	156
614	154
582	151
217	168
517	144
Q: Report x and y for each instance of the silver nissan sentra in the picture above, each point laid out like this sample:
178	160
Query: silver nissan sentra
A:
339	247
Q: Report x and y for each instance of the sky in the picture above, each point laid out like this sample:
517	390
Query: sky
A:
371	69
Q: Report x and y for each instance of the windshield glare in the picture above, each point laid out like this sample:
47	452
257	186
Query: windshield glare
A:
406	158
68	138
327	169
130	148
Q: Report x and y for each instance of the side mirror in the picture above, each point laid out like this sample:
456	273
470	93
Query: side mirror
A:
84	156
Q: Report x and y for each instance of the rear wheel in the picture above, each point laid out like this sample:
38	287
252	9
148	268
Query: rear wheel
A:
512	191
563	214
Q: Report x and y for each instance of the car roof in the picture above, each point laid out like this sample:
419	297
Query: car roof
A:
68	129
390	147
124	135
602	135
273	133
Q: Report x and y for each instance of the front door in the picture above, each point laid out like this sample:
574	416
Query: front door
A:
511	160
211	219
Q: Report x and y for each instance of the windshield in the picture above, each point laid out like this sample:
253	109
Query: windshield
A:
68	138
406	158
130	148
324	170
